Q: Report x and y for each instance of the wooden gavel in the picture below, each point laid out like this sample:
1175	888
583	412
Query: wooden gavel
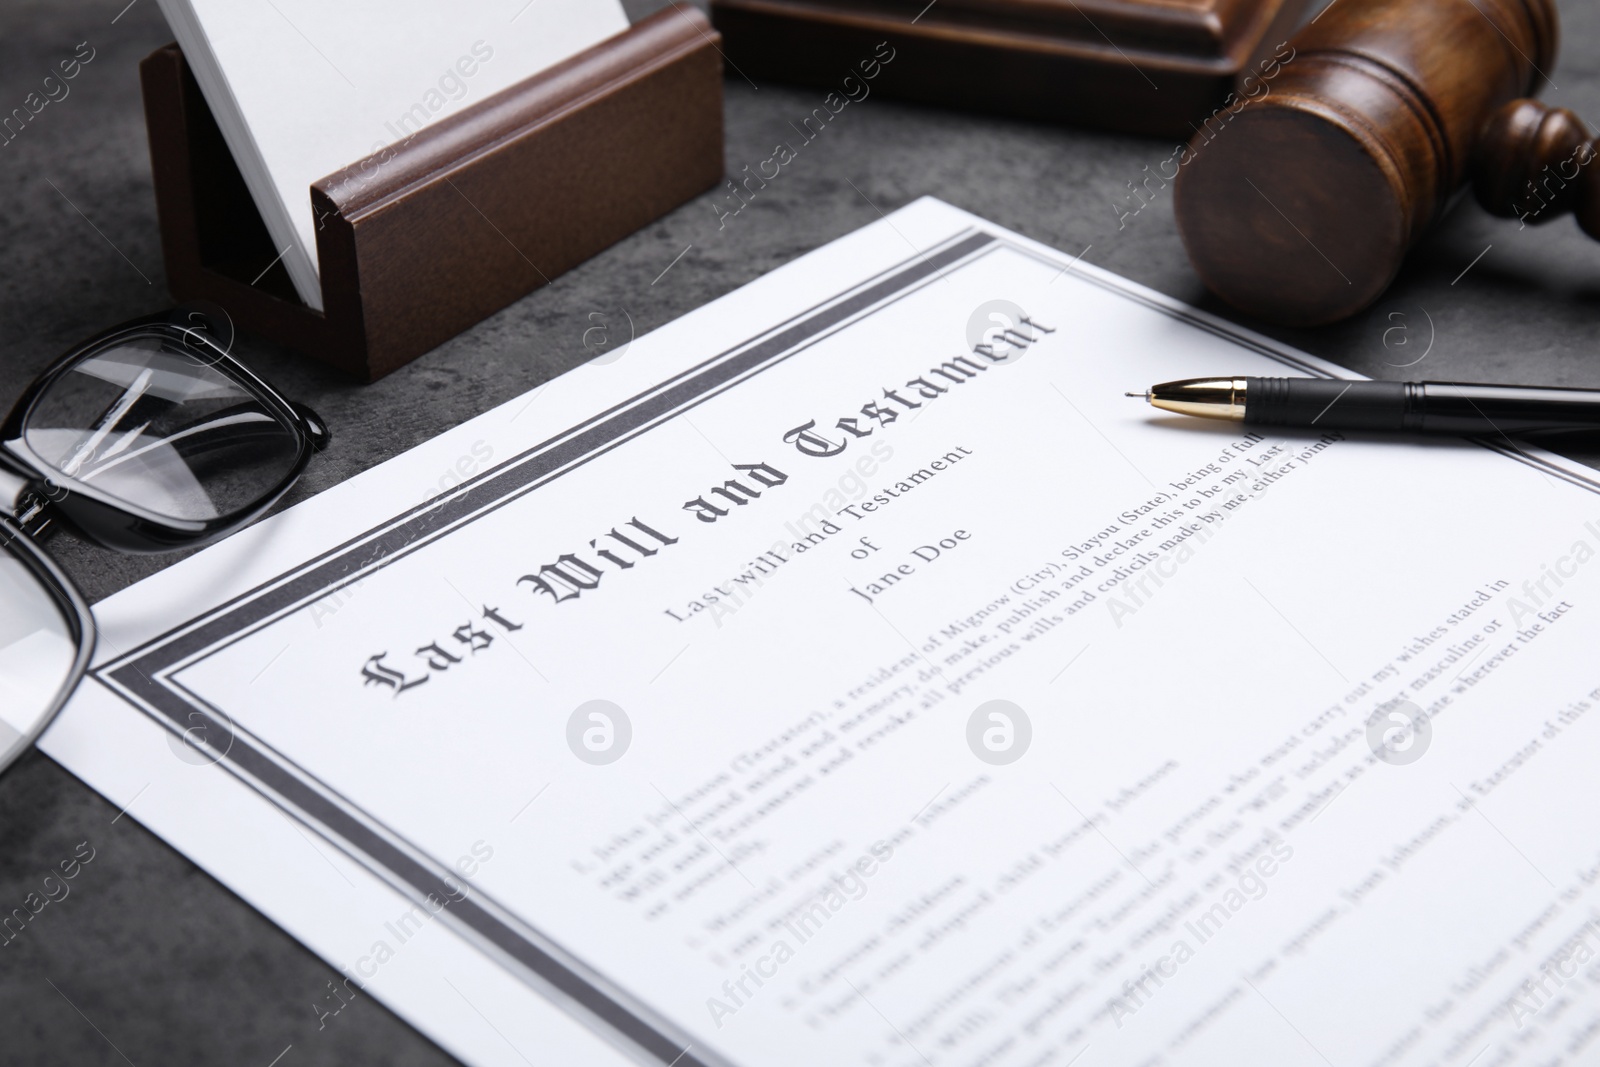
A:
1299	201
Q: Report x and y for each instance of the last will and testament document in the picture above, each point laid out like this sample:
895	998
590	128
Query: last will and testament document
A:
849	674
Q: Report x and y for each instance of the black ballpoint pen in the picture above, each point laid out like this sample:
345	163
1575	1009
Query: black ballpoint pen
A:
1382	407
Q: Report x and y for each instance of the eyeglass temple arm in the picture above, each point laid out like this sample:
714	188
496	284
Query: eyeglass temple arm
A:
23	506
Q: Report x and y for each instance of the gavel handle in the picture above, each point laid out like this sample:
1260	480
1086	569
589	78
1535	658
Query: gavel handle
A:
1536	163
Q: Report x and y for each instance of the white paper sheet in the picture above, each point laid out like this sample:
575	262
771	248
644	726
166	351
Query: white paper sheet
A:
800	829
303	88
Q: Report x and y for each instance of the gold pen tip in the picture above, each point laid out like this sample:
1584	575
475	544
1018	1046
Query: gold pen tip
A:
1141	396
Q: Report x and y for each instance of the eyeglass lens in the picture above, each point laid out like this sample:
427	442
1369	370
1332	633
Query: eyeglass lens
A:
37	651
155	424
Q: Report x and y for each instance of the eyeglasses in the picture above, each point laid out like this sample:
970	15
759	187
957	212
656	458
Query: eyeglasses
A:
147	438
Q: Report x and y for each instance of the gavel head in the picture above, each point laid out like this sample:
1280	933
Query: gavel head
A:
1299	200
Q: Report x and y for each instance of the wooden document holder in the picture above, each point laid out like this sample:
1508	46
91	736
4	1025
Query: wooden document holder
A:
1144	66
421	241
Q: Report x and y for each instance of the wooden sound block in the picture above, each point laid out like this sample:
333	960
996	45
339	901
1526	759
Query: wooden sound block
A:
1145	66
431	235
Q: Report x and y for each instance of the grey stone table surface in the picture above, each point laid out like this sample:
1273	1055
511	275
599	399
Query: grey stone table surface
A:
149	960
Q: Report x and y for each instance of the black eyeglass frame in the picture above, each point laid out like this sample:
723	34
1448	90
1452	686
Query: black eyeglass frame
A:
121	524
74	609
